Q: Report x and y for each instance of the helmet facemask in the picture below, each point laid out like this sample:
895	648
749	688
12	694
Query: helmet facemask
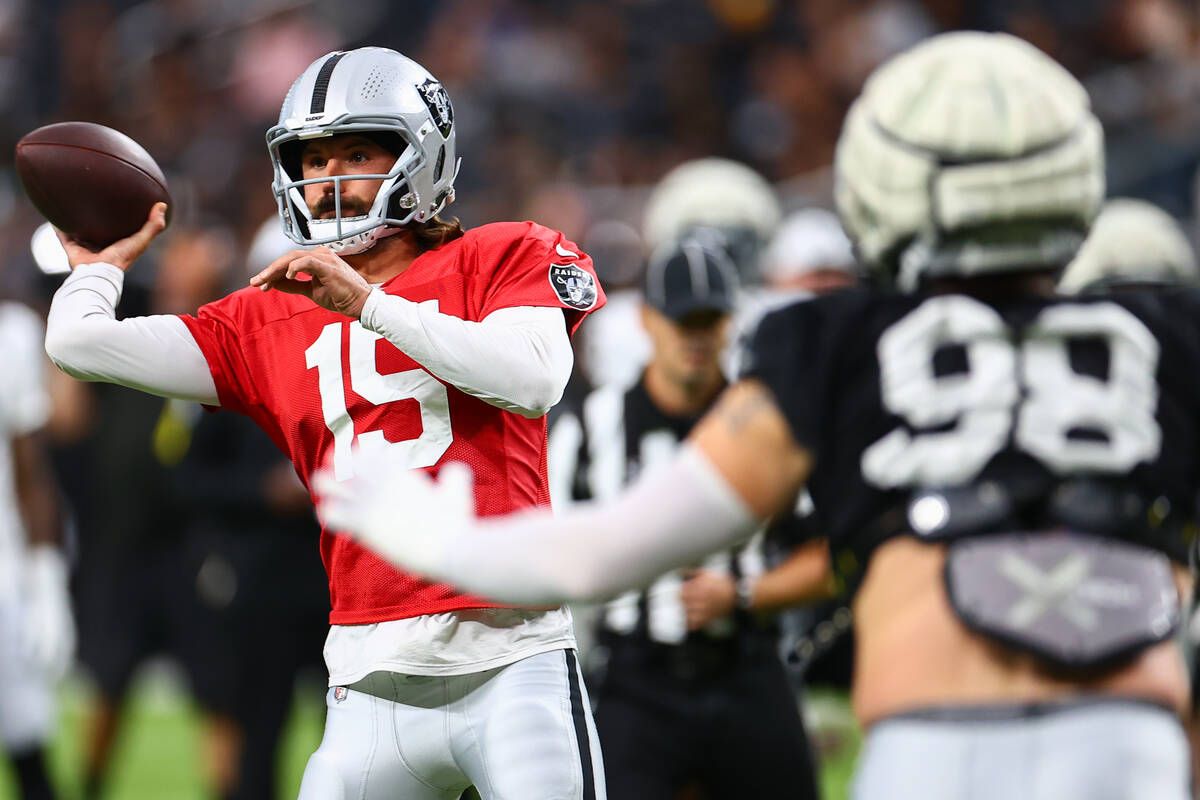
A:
395	204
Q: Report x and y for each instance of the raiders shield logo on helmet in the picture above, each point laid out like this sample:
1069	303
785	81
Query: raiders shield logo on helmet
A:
574	286
435	96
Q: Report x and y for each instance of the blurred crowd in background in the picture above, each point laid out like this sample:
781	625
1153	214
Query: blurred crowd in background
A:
567	110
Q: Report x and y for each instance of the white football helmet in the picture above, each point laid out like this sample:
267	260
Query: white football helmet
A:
1132	242
714	193
971	153
377	92
808	239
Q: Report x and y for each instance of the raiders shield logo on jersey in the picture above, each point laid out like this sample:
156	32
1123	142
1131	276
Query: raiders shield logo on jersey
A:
434	95
574	286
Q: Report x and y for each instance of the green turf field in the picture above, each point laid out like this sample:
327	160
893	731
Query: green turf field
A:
156	756
835	735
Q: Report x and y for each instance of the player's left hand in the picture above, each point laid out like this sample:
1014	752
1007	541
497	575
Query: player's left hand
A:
48	629
707	596
335	285
402	514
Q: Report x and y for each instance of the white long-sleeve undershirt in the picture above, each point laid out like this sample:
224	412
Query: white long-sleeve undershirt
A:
518	359
156	354
671	517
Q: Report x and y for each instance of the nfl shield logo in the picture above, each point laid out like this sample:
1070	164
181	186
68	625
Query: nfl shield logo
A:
340	692
574	286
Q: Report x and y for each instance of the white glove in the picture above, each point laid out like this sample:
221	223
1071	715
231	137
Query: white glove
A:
48	632
401	514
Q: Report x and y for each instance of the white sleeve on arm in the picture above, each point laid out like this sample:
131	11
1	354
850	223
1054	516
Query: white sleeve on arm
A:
518	359
672	517
155	354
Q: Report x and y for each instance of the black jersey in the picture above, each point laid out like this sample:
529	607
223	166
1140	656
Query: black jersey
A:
1023	413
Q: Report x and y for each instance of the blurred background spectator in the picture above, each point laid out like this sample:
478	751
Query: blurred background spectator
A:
569	110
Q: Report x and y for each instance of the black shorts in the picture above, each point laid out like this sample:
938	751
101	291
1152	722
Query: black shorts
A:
223	603
130	604
735	731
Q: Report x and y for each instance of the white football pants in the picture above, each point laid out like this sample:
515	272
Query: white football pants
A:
1091	749
519	732
27	706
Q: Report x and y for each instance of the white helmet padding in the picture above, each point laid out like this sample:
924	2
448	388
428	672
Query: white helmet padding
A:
971	153
385	96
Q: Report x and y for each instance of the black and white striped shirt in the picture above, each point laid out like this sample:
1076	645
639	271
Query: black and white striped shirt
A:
596	451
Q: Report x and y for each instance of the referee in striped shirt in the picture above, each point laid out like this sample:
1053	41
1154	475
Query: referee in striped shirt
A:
688	686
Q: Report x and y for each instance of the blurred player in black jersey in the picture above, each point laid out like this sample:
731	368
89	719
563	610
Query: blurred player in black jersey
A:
1007	475
1134	245
687	684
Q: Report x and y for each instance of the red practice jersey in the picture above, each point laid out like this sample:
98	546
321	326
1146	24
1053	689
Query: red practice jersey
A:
319	383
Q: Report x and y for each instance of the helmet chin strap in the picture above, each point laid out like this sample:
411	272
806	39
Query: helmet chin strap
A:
362	242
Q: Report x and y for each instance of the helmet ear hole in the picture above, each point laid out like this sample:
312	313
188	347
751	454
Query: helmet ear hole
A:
440	165
400	204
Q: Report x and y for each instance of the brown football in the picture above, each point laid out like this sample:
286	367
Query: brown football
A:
92	182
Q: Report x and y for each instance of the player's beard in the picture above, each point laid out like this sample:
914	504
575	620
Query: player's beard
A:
351	207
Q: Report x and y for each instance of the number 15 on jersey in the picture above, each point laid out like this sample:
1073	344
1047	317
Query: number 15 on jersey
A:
325	355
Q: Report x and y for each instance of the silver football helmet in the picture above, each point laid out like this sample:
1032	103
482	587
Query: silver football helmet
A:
376	92
971	153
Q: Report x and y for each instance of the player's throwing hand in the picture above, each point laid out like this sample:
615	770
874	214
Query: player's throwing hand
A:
122	253
334	286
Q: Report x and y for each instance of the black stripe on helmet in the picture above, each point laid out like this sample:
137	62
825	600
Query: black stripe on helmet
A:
321	87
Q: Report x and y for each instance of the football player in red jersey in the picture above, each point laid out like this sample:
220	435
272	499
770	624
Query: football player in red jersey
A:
398	333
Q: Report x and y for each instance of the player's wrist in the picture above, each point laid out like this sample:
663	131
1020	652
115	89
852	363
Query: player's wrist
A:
359	302
368	306
97	266
104	279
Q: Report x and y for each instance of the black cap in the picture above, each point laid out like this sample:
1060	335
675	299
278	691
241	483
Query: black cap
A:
688	276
